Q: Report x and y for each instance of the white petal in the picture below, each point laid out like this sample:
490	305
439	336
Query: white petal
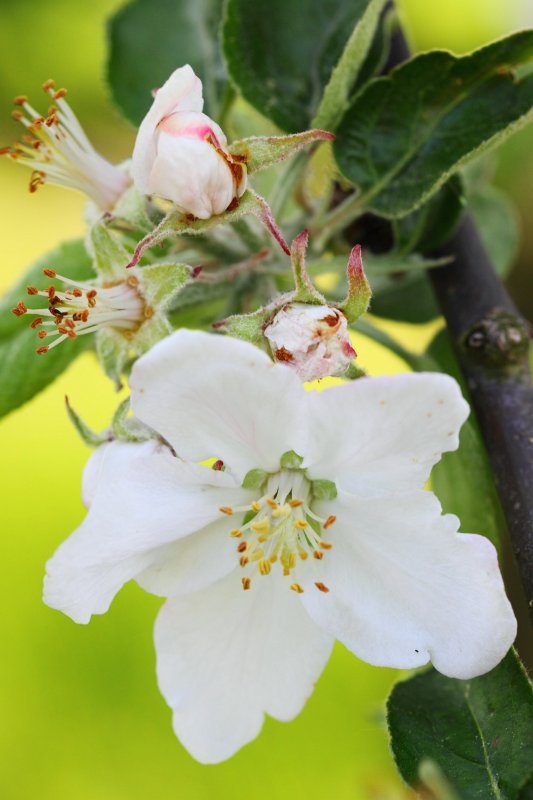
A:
91	474
192	563
181	92
377	435
192	174
145	498
225	656
405	587
216	396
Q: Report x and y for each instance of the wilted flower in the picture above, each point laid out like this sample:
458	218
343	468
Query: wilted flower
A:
125	309
318	514
180	153
58	151
311	339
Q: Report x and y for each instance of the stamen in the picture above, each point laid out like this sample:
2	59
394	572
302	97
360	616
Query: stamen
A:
246	583
330	520
321	586
236	532
318	555
264	566
297	588
226	510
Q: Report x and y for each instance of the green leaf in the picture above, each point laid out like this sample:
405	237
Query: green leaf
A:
281	56
462	480
407	297
497	224
406	133
344	75
23	373
149	39
433	223
479	732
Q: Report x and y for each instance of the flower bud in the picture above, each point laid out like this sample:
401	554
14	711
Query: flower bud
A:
180	153
313	339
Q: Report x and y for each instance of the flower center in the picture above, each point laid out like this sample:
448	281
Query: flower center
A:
280	527
80	308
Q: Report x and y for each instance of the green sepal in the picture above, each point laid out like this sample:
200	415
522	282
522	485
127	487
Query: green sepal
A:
109	255
127	428
291	460
177	224
323	490
131	207
255	479
113	351
359	292
249	327
161	282
305	291
260	152
354	372
87	435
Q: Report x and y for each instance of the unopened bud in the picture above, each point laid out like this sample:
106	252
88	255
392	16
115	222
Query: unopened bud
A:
313	339
180	153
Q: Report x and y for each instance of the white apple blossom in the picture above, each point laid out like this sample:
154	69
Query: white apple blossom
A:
180	153
57	149
312	339
321	494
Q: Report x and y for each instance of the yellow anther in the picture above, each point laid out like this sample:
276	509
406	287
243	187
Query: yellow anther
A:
226	510
243	560
262	539
261	526
297	588
300	523
288	559
330	520
273	558
318	555
295	504
264	566
246	583
272	503
257	554
321	586
236	532
326	545
256	506
303	554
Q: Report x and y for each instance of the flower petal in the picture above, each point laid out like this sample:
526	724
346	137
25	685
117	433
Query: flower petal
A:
224	657
214	396
192	174
144	498
191	563
377	435
181	92
405	587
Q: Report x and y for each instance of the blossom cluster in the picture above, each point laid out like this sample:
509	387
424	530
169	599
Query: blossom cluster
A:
272	517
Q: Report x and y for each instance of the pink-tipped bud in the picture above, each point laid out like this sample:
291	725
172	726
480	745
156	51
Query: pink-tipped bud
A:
312	339
180	153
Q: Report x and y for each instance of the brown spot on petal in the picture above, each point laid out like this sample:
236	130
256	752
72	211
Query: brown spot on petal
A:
282	354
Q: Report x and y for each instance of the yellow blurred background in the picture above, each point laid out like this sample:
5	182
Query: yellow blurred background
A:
81	714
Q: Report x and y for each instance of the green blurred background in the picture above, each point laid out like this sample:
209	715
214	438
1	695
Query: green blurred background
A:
81	714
